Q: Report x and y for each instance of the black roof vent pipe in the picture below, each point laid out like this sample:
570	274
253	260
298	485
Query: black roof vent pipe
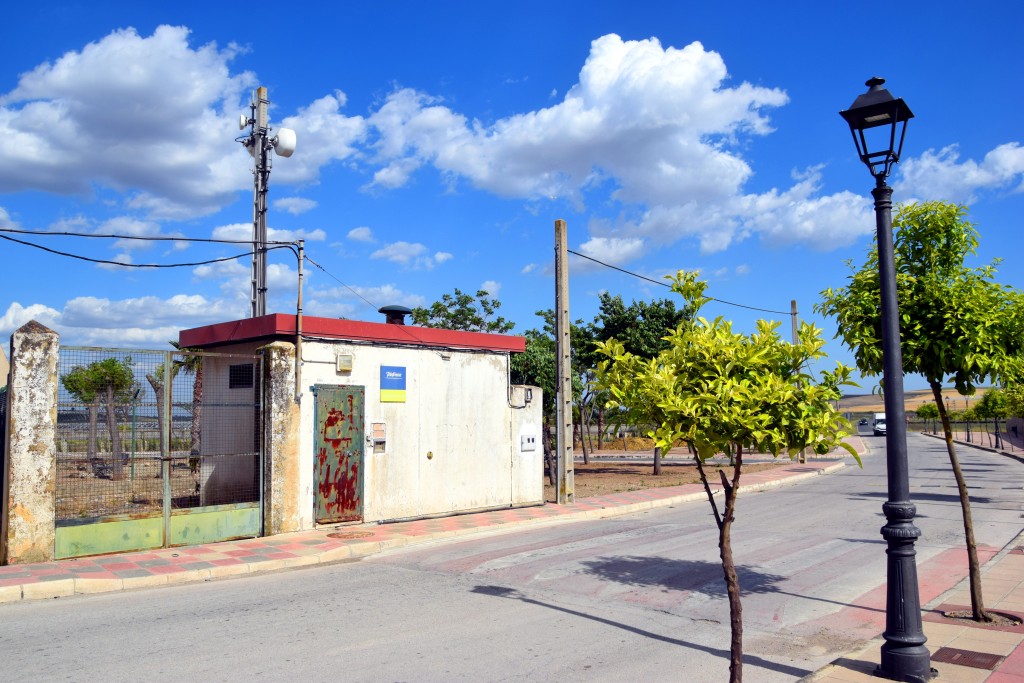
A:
394	315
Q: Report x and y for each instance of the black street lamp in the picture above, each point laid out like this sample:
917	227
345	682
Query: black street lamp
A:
904	655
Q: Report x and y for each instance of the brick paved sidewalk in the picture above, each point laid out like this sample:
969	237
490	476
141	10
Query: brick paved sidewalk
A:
961	652
334	544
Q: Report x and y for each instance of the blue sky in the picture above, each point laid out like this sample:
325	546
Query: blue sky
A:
438	142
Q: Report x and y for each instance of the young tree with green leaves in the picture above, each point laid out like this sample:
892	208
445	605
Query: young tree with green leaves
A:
955	323
721	392
1015	400
82	386
641	328
111	381
992	405
461	311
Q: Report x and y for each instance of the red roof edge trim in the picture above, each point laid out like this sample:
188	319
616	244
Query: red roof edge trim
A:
282	326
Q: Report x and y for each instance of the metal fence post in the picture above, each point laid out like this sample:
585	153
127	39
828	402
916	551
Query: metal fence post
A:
165	442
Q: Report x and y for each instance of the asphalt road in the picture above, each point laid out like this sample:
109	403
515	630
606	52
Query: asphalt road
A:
634	597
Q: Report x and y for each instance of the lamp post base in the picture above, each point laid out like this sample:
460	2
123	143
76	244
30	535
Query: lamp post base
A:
904	656
904	664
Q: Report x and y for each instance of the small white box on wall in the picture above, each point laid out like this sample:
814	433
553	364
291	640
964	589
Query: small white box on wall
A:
344	362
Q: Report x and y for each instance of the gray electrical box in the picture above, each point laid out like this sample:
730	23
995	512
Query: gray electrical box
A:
528	443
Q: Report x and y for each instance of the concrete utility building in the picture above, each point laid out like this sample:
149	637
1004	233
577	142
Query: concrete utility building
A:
374	421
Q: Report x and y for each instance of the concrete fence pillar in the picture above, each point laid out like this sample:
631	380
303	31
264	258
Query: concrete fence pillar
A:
281	473
31	467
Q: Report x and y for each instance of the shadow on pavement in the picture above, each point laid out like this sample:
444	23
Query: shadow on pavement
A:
930	497
513	594
690	575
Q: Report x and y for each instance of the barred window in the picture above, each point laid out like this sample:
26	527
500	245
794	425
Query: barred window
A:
240	377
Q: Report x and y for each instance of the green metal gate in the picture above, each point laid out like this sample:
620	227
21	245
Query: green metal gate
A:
339	453
156	449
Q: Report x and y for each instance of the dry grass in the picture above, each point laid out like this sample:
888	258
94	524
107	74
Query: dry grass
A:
912	400
605	478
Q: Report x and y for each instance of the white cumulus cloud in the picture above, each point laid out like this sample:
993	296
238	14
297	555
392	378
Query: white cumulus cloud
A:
412	255
243	233
492	287
153	118
361	234
294	205
941	174
662	128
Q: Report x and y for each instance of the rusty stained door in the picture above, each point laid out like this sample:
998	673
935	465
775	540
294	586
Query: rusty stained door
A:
339	453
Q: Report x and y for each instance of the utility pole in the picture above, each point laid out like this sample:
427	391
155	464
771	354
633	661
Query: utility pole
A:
261	173
563	369
792	312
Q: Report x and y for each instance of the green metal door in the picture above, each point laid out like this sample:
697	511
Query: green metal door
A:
339	453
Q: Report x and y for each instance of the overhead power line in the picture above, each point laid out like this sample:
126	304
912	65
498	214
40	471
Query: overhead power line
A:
665	284
143	238
369	303
135	265
333	277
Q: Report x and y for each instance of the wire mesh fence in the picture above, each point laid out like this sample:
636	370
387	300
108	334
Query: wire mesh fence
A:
991	433
139	431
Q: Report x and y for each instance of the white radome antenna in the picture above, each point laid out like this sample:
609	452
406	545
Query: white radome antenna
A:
259	145
284	142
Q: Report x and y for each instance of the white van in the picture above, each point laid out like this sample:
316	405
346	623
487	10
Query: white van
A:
878	424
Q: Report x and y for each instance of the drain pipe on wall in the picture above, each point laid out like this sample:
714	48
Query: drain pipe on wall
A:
298	328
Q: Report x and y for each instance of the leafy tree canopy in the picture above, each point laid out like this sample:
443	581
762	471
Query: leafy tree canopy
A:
641	326
461	311
955	320
536	366
992	404
87	383
1015	400
717	389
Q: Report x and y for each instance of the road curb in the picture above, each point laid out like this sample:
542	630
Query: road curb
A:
35	589
990	449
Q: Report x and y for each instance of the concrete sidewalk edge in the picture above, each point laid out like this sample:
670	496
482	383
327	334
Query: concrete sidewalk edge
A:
84	585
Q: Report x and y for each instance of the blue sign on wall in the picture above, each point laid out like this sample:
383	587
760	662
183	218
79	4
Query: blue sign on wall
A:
392	384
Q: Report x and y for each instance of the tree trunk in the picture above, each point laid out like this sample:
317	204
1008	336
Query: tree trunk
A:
732	581
584	432
158	389
657	460
587	423
196	431
974	568
549	457
116	466
92	451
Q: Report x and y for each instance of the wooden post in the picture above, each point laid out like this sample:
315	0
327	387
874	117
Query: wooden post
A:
563	369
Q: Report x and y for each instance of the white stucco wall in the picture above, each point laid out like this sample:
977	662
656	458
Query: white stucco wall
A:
454	445
449	447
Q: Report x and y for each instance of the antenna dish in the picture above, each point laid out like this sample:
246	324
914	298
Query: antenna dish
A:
284	142
242	122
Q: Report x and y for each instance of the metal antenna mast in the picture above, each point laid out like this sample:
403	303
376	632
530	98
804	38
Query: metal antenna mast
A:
260	144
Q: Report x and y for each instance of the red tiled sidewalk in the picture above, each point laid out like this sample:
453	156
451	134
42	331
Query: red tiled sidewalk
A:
231	558
1003	582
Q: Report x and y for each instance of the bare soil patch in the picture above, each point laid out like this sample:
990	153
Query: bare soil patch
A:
999	619
605	478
